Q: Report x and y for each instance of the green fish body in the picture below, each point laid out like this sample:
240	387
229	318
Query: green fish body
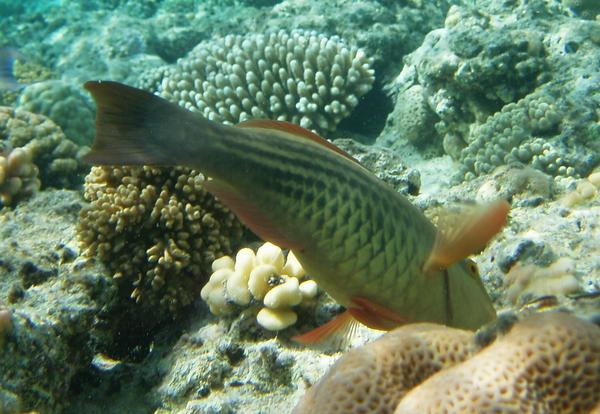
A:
353	234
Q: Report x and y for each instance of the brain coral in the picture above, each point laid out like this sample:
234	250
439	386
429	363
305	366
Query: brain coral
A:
373	378
55	156
546	363
157	230
301	77
65	104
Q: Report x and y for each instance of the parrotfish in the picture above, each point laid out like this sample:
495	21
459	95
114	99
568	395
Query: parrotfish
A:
365	244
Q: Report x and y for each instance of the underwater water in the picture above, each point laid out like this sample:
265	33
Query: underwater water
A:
262	206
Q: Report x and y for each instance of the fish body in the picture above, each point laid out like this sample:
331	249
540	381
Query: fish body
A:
364	243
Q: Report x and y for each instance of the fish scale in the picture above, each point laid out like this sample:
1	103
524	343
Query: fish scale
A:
356	236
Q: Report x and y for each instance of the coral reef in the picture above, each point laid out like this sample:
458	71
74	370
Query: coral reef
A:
56	157
546	363
65	104
503	94
266	276
157	230
301	77
53	306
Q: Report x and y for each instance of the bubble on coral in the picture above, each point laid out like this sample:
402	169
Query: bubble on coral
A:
301	77
157	230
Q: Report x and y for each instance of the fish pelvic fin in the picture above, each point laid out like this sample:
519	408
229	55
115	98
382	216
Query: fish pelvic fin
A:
130	124
361	310
472	233
341	325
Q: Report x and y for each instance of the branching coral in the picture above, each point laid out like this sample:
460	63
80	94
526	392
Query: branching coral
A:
157	230
546	363
266	276
301	77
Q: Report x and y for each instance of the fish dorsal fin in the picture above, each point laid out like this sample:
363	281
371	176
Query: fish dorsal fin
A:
467	234
295	130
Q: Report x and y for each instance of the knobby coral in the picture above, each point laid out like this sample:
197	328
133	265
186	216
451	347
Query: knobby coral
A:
56	157
548	362
302	77
266	276
18	175
157	230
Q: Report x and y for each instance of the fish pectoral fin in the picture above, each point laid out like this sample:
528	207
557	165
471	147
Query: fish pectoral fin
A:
343	324
254	217
375	316
467	234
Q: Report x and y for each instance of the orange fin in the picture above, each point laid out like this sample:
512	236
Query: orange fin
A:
342	323
470	236
255	218
374	315
296	130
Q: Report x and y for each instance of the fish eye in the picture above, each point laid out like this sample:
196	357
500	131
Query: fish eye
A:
472	268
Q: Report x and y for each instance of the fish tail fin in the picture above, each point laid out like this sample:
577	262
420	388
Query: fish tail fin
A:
133	127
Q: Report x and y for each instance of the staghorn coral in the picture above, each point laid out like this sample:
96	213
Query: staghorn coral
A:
301	77
374	377
56	157
266	276
157	229
548	362
18	175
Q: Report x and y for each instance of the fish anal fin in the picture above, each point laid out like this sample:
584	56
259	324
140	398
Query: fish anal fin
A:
296	130
467	236
342	324
375	316
251	215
